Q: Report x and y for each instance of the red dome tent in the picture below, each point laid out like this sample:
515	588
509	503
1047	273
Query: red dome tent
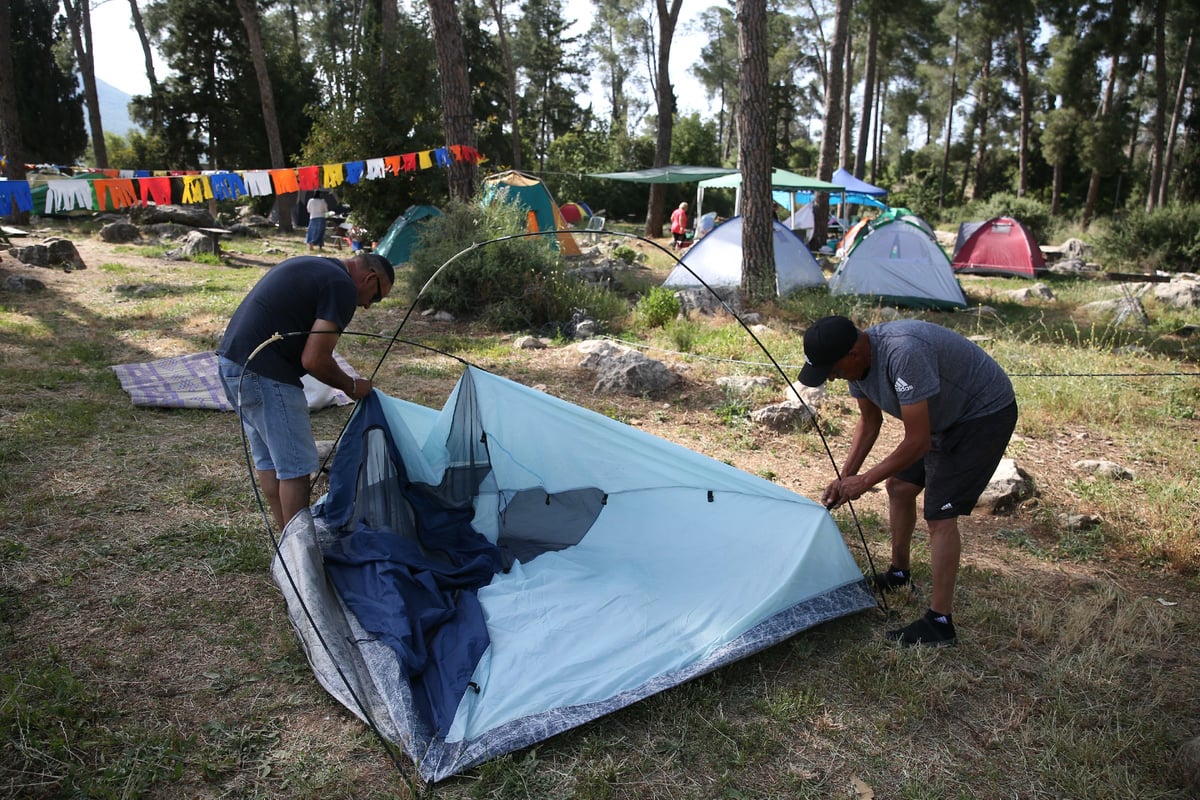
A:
1000	246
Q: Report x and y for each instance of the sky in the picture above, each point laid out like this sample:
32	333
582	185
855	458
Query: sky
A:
119	59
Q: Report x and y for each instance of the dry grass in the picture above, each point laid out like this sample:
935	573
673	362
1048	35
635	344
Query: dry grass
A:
147	654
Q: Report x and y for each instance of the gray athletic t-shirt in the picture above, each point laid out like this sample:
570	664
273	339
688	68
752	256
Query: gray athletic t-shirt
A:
913	360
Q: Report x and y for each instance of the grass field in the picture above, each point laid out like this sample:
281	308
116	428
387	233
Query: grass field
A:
146	653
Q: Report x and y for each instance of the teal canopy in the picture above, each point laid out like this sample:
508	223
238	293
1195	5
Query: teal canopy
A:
669	174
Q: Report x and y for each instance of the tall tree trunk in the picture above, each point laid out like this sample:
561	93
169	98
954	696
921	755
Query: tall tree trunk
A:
79	20
1026	110
456	92
754	152
1093	192
136	15
668	18
869	78
389	20
266	95
11	146
949	119
1180	95
1158	118
510	72
845	156
877	144
833	119
983	116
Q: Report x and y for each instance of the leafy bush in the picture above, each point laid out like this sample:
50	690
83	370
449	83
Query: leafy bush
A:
1033	214
464	265
1165	239
659	306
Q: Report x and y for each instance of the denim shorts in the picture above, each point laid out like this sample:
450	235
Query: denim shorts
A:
275	418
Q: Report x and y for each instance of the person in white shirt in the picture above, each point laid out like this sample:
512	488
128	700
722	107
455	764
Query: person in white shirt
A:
317	209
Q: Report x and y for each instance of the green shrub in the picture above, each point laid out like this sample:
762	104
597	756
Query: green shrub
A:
466	266
1166	239
659	306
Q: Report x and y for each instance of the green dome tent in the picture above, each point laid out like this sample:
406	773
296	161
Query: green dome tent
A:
398	243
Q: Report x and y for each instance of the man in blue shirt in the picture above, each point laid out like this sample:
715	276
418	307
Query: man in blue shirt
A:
310	300
959	412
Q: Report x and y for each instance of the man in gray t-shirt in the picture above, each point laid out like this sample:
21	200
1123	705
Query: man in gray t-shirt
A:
958	410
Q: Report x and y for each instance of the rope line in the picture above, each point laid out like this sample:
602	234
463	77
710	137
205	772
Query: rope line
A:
719	360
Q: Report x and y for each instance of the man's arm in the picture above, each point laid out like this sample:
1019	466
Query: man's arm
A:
317	360
916	443
870	420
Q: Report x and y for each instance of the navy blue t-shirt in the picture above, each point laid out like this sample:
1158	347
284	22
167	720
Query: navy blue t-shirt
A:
292	296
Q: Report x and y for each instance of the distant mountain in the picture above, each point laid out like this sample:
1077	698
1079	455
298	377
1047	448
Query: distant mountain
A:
114	109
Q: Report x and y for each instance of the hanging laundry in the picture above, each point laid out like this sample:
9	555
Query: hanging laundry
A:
126	173
284	181
227	185
354	171
334	175
392	164
258	182
309	178
68	195
375	169
408	162
15	193
442	155
117	191
156	190
196	189
424	159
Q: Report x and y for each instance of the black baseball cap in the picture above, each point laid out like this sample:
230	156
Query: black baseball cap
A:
826	342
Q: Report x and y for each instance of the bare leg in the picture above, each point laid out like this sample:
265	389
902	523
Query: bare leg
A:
945	549
270	488
902	519
293	496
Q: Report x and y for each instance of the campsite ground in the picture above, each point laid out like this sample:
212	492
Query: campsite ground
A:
147	654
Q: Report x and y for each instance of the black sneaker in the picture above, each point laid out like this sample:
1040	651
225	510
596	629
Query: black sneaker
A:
891	580
925	632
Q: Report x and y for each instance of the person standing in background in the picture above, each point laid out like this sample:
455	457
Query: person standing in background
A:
317	209
679	223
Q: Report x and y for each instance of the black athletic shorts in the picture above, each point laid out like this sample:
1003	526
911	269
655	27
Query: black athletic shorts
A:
961	463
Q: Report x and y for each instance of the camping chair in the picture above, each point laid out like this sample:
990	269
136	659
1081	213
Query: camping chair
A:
594	226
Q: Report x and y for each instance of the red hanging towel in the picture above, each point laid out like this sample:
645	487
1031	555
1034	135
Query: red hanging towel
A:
157	190
309	178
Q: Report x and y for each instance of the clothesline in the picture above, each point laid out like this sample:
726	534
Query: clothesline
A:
126	188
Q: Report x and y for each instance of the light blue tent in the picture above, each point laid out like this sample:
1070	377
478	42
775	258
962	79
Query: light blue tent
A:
716	258
481	578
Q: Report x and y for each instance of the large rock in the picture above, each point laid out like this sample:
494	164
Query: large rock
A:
195	243
192	216
120	233
1183	294
22	283
1008	487
789	415
53	253
625	371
